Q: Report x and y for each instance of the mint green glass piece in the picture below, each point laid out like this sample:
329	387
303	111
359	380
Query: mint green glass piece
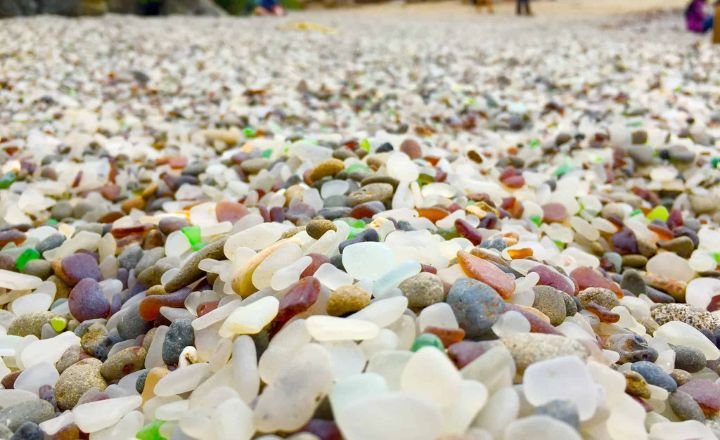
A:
562	170
427	340
198	246
355	168
536	219
267	153
715	161
7	180
52	221
658	213
192	233
151	431
27	256
635	212
249	132
534	143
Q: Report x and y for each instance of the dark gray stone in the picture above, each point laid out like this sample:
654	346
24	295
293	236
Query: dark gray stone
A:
179	335
562	410
36	411
476	305
654	375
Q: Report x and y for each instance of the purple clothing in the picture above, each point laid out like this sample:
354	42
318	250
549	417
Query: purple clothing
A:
695	16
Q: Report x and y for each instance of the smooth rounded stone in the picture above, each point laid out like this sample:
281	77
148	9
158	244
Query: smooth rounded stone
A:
38	268
486	272
168	225
679	333
697	318
250	319
586	277
96	341
50	242
561	378
706	393
634	260
329	328
130	257
381	192
76	380
685	407
634	282
29	324
528	348
79	266
122	363
254	166
131	325
35	411
61	210
367	260
598	295
682	246
670	266
347	299
571	307
689	359
87	301
422	290
228	211
642	155
562	410
631	348
412	148
540	427
289	401
432	376
95	416
70	356
28	431
190	271
654	375
180	334
412	418
326	168
551	302
317	227
332	211
636	385
476	306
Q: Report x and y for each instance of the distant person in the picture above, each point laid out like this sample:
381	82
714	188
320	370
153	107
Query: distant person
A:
487	3
696	19
523	4
269	7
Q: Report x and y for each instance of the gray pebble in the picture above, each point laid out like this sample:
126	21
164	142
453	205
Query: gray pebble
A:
190	272
689	359
28	431
179	335
562	410
476	306
130	256
61	210
39	268
36	411
131	325
685	407
633	281
654	375
149	258
51	242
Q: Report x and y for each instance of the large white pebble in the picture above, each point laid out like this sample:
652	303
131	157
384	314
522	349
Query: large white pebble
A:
233	420
438	315
382	312
182	380
499	411
330	328
245	368
627	419
689	429
396	416
354	388
494	368
94	416
679	333
431	375
290	401
250	319
564	378
31	379
48	350
290	339
18	281
700	292
389	364
670	265
540	428
346	358
367	260
465	407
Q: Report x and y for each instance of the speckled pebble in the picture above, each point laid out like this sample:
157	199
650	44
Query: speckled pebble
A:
551	302
76	380
422	290
527	348
179	335
685	407
347	299
476	305
317	227
35	410
29	324
122	363
603	297
700	319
